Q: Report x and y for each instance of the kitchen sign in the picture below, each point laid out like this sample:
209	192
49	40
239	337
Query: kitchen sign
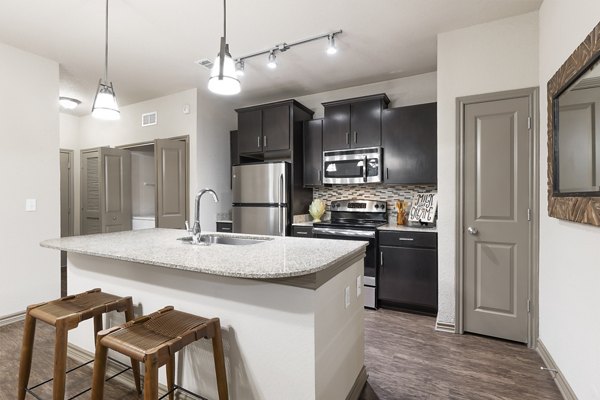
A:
424	206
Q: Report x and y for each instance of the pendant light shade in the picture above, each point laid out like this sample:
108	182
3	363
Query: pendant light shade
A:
105	103
223	78
228	83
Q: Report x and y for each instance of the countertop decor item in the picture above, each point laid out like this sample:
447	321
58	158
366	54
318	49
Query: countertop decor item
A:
424	206
317	209
401	206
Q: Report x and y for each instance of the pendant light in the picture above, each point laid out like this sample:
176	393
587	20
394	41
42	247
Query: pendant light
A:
223	77
105	103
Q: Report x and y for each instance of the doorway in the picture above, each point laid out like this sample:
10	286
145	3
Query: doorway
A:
497	278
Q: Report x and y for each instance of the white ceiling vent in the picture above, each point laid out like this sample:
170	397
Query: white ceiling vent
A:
149	119
206	63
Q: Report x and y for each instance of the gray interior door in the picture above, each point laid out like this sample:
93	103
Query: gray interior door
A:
66	193
115	194
90	192
497	172
171	183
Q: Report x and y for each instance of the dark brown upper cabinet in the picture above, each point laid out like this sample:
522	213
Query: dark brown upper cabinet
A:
269	127
313	153
353	123
409	140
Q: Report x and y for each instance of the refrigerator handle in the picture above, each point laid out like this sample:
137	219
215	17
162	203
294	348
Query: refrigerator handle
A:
279	201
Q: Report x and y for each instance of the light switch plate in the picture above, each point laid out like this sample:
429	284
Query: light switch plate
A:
358	285
30	204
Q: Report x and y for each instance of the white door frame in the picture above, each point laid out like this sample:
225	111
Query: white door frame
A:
534	193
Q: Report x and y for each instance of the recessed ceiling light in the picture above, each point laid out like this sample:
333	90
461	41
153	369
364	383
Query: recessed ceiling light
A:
68	103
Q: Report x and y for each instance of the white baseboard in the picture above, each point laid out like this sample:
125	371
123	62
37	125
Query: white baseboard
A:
81	356
445	327
559	378
12	318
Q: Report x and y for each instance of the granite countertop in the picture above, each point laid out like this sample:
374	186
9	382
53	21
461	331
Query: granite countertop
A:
279	257
394	227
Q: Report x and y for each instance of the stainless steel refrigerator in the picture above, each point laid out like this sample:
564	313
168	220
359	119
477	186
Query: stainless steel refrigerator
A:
261	198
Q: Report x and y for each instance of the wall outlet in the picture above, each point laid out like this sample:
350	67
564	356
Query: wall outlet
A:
359	285
30	204
347	296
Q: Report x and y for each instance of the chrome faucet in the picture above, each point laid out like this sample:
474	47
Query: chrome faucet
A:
196	230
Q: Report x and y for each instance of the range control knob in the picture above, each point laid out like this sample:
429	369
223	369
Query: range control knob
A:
376	205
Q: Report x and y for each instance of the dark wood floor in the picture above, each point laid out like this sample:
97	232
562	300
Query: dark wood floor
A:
404	356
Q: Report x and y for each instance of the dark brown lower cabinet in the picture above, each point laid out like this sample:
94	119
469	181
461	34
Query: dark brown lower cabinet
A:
302	231
408	274
224	226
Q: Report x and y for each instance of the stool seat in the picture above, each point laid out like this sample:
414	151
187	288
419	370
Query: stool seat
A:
80	307
65	314
154	339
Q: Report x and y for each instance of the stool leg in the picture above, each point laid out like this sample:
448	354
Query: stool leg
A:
151	378
219	357
171	376
99	370
135	365
26	354
97	325
60	361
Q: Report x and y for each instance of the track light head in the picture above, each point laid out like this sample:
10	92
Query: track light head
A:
239	68
272	60
331	48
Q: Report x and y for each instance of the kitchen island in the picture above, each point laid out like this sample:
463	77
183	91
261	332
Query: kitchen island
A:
290	308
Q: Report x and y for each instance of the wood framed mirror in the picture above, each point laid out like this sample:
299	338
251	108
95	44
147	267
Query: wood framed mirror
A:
574	135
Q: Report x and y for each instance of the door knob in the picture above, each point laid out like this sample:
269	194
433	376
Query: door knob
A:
472	231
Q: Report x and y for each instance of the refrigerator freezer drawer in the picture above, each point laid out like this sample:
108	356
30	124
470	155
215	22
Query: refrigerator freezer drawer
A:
260	220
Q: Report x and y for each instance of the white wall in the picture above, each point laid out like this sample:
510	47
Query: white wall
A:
29	161
569	257
416	89
496	56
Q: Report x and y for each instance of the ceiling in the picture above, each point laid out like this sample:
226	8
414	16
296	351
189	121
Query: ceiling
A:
153	44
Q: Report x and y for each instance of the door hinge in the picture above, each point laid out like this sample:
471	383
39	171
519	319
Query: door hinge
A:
528	305
529	122
529	214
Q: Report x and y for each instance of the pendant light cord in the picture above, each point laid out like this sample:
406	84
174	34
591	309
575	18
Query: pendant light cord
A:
224	19
106	47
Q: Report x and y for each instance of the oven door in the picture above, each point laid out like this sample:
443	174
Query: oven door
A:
370	274
352	166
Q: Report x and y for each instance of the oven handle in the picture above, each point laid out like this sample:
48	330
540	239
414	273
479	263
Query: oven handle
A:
364	168
345	232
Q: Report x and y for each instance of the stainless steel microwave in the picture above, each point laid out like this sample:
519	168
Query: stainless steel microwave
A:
352	166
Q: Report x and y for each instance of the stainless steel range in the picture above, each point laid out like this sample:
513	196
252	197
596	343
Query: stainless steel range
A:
357	220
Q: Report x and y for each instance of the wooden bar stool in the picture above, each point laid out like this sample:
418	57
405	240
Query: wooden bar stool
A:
154	339
65	314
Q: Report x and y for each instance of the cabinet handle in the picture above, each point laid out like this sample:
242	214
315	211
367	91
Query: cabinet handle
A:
347	137
301	233
225	229
265	141
381	259
406	239
387	173
258	142
320	178
355	137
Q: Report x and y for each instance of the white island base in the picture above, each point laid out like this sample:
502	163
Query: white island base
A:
281	342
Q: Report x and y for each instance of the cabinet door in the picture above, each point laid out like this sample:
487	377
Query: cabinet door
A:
276	128
313	152
115	190
365	123
336	127
409	137
408	276
250	131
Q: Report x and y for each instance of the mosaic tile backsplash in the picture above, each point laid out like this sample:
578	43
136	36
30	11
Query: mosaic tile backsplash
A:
387	193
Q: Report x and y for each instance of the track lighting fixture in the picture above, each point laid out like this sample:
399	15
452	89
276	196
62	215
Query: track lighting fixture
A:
272	60
105	103
239	68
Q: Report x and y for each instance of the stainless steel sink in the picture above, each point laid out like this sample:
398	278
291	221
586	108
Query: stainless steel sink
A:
228	240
